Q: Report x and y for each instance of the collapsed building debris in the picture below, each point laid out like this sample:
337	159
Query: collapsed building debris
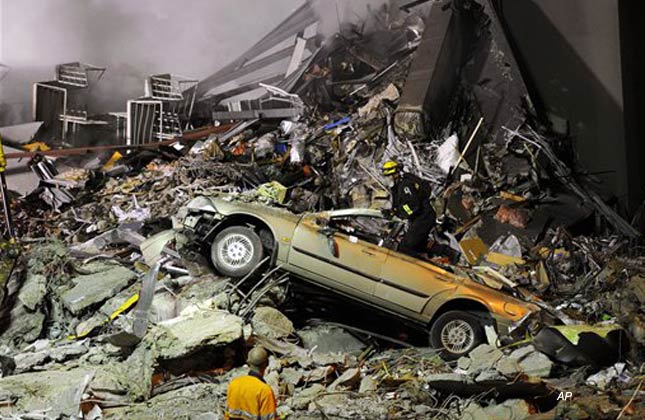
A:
111	306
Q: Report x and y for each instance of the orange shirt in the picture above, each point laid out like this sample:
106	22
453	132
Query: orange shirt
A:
250	398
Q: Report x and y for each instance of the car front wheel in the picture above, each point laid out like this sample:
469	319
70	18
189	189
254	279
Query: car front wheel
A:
456	333
236	251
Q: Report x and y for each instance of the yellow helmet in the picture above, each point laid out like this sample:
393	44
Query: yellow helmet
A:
389	168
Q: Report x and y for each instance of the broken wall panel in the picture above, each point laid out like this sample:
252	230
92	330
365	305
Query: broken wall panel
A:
144	121
177	94
63	105
435	70
494	76
280	55
465	44
78	74
49	103
302	18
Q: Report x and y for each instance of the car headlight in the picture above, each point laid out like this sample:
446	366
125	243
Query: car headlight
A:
191	221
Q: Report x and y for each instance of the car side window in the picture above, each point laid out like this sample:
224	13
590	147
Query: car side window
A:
370	229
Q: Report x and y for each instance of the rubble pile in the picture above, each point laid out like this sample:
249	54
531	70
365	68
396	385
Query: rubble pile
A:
107	312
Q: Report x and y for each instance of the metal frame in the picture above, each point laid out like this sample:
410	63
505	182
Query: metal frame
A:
34	102
129	126
77	74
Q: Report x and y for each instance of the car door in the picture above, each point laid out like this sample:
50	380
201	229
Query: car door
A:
408	284
354	269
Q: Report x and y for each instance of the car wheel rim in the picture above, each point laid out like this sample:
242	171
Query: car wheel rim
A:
235	251
457	336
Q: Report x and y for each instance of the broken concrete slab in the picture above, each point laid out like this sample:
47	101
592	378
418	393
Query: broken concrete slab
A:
329	339
37	356
291	376
302	398
95	288
20	133
7	364
349	379
95	267
455	378
530	361
271	323
197	330
464	363
25	361
483	358
129	380
319	374
514	409
56	393
508	367
273	380
24	326
368	384
522	352
489	375
97	244
474	411
199	401
109	310
432	76
536	364
33	291
342	406
201	289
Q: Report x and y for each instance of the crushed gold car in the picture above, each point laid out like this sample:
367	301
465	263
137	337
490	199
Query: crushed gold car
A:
349	252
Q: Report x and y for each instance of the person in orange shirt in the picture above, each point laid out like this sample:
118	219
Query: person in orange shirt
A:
249	397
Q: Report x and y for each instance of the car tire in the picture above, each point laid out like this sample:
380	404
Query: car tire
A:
456	333
236	251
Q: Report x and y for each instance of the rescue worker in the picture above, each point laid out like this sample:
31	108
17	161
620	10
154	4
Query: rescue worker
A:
249	397
411	201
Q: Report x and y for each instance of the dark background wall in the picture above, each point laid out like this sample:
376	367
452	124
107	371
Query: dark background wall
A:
575	61
632	34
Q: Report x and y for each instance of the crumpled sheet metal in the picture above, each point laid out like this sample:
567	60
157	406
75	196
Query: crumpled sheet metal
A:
580	345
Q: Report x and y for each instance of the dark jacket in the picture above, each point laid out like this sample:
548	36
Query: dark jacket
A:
411	197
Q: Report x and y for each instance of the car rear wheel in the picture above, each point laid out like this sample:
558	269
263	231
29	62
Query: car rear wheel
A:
236	251
456	333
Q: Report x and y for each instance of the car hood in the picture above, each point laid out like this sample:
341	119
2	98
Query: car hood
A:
226	204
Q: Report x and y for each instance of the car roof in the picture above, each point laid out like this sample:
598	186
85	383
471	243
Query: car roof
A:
356	212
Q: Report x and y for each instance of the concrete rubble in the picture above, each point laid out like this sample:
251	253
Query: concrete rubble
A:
107	312
270	323
93	288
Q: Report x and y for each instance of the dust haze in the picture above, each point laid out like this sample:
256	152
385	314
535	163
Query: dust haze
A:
133	39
